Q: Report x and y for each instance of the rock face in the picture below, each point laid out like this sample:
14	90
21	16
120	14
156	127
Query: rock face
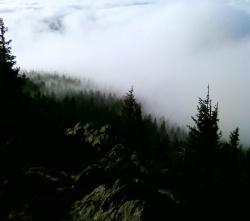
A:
117	163
114	187
124	201
107	203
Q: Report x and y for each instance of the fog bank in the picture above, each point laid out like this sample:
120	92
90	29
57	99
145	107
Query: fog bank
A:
169	50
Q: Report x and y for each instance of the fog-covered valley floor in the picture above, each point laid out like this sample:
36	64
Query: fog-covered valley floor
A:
168	50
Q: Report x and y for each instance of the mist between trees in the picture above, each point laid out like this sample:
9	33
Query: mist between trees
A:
63	142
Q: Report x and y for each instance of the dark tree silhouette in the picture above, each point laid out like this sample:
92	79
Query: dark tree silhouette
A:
131	121
13	111
201	159
7	61
204	135
131	109
10	81
234	138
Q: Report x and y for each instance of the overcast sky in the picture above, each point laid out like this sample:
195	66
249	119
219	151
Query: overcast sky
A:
169	50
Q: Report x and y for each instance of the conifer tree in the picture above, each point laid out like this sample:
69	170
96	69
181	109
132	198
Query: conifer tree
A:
11	89
7	60
234	139
131	109
204	135
131	116
202	150
10	82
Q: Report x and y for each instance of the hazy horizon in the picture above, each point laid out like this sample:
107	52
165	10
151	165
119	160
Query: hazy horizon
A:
168	50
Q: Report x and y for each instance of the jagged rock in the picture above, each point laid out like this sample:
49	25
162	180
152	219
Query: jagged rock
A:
113	186
119	159
107	203
123	201
119	162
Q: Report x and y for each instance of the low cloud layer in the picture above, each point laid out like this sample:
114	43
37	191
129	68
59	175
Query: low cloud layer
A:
170	50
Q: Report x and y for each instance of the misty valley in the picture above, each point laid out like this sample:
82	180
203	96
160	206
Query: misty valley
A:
71	151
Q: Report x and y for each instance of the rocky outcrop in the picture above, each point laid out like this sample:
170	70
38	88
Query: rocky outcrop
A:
107	203
115	186
124	202
118	162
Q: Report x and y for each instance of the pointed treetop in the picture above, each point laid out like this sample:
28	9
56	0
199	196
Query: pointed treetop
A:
7	60
208	90
234	138
10	81
131	91
205	132
1	22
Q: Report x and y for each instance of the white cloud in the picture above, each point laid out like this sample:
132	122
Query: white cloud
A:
169	50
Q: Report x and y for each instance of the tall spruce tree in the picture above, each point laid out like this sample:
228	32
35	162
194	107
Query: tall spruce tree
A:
204	136
131	116
11	87
10	82
201	157
234	138
131	109
7	61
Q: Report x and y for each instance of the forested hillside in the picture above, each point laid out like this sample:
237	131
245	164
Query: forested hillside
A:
70	152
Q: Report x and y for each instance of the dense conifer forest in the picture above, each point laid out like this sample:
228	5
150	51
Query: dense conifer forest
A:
71	152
